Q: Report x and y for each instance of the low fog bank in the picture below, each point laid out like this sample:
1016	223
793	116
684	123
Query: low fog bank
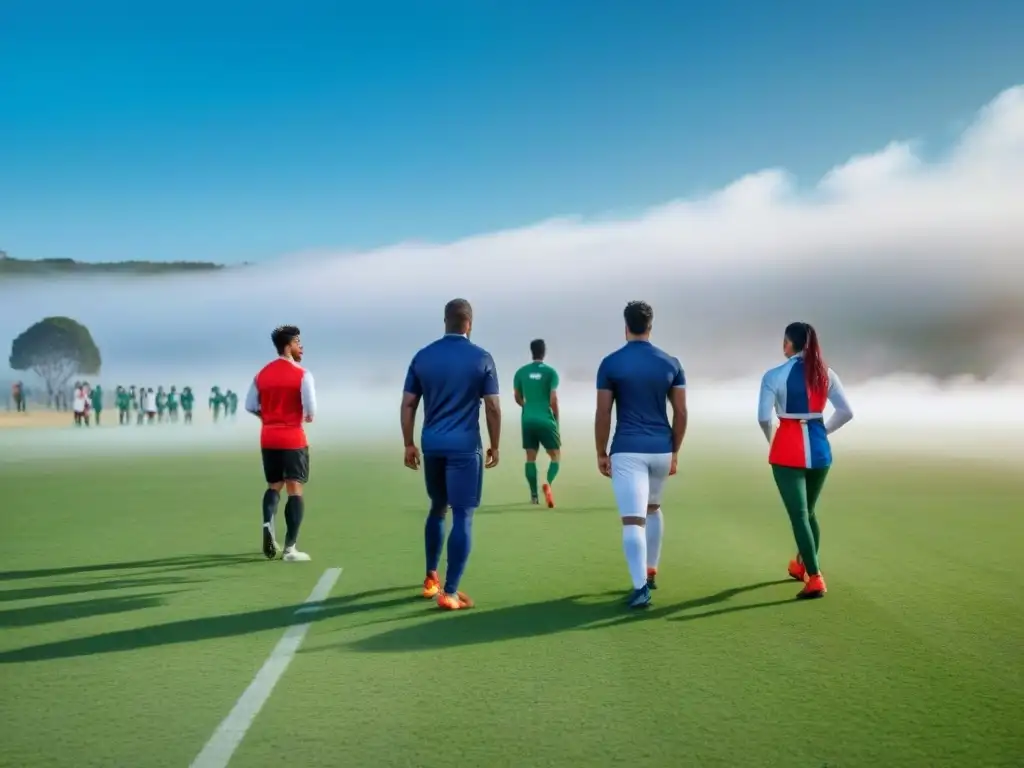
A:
901	415
906	265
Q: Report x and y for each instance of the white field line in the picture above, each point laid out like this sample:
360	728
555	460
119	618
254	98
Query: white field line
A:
229	734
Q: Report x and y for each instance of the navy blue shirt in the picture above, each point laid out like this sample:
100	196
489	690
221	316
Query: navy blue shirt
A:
640	377
451	375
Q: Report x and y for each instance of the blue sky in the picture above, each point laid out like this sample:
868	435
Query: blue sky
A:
242	131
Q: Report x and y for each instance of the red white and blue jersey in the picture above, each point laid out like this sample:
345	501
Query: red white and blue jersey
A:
802	437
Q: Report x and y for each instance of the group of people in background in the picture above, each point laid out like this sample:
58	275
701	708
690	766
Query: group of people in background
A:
144	405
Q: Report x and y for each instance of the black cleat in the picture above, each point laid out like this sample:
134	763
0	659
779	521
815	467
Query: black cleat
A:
269	545
651	583
639	598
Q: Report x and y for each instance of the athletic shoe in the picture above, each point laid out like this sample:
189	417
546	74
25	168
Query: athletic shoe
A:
639	598
797	572
549	497
534	500
652	574
270	547
815	587
292	555
431	585
456	602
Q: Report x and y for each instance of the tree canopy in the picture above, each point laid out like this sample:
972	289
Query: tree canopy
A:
55	349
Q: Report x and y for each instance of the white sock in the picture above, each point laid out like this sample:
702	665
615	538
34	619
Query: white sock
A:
634	544
655	530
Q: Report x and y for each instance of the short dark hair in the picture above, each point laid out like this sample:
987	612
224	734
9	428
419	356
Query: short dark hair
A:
639	317
284	335
538	349
458	313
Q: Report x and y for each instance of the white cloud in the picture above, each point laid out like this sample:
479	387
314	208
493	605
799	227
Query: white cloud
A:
880	252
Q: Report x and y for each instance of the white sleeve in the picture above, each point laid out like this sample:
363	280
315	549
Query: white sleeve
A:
766	407
308	395
843	412
252	399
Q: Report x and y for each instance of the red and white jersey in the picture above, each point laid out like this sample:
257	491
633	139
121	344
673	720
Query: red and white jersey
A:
802	437
283	396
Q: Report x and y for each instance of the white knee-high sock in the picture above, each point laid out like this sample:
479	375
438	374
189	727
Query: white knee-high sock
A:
655	530
634	544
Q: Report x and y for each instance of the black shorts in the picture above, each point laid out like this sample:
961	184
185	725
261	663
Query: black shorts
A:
280	464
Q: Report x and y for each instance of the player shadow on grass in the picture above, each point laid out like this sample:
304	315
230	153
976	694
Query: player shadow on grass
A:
516	622
61	590
187	562
35	615
208	627
526	506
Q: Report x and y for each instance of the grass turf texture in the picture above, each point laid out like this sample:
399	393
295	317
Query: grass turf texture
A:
136	609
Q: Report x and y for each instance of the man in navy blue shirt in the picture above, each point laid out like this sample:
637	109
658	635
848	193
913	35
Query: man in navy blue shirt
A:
640	379
451	376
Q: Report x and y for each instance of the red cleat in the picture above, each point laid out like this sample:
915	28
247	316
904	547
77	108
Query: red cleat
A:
797	572
814	587
456	602
549	496
431	585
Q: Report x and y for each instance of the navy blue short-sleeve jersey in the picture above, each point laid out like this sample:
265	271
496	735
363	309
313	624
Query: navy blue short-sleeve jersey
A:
451	375
640	377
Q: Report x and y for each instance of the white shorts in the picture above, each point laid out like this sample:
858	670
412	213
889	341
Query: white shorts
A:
638	480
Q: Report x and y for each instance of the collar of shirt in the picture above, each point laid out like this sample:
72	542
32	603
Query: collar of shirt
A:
455	336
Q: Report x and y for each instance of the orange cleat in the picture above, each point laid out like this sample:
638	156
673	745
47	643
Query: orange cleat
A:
549	497
455	602
797	572
431	585
814	587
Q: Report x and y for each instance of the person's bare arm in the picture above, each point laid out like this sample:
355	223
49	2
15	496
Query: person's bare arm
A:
410	404
603	421
492	414
519	397
554	403
677	397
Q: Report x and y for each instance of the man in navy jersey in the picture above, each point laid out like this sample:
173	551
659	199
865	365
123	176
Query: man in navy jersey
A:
639	379
451	376
282	396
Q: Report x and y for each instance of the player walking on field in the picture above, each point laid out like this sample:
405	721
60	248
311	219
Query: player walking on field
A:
640	380
536	393
283	397
451	376
800	454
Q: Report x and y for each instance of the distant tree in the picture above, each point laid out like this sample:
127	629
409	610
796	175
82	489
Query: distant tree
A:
55	349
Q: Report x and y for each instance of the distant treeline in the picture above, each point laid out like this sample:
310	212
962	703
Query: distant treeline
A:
44	267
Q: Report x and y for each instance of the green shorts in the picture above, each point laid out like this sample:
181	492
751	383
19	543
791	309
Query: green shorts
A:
541	433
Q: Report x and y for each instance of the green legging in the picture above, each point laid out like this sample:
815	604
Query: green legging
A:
800	489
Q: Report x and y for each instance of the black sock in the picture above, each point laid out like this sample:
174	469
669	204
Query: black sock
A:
270	500
293	511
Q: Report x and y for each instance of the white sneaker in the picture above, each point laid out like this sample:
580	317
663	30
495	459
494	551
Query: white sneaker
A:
292	555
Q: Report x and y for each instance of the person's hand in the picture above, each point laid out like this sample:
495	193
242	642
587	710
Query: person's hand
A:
674	467
492	458
412	457
604	465
308	419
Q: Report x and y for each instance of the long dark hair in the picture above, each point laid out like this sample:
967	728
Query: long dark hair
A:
804	339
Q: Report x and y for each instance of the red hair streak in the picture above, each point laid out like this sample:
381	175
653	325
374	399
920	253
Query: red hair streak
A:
815	370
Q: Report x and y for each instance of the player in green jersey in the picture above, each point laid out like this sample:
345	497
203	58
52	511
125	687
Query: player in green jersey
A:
161	404
172	405
97	402
124	405
140	405
230	403
536	393
216	401
188	401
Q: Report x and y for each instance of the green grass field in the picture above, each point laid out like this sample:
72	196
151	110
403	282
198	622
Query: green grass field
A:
136	609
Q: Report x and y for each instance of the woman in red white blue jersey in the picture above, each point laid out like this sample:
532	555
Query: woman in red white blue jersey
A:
800	454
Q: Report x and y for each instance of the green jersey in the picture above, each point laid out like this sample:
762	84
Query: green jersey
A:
216	399
124	401
232	402
535	382
187	400
161	401
97	399
172	400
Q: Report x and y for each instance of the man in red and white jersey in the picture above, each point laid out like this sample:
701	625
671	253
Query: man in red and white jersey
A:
283	397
